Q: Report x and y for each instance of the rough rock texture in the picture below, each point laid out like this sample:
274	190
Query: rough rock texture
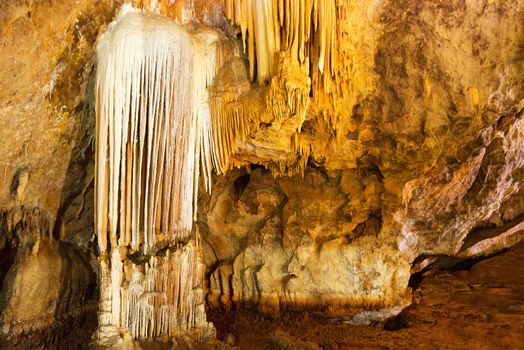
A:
46	124
426	132
47	58
446	314
418	141
45	298
300	242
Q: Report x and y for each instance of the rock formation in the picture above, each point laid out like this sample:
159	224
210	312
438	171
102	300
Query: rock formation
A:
351	144
153	138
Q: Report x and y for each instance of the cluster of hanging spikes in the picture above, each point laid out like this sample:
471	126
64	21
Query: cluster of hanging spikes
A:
156	134
269	27
153	128
154	125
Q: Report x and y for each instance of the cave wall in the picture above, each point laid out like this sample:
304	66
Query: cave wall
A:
47	61
419	141
47	273
424	133
314	241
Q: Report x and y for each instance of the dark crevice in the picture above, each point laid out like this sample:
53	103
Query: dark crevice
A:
467	264
449	264
15	183
240	185
316	162
397	323
254	167
415	280
7	258
452	264
372	226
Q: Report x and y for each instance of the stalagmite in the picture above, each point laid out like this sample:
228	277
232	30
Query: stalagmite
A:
160	299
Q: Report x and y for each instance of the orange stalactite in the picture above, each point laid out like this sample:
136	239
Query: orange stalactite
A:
270	27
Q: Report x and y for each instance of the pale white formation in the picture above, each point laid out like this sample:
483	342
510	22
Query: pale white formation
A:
153	128
160	299
153	140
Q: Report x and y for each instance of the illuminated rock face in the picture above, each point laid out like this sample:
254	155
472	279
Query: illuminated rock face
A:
48	281
409	137
418	122
300	244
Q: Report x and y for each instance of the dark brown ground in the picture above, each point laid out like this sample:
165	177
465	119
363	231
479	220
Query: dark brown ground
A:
477	308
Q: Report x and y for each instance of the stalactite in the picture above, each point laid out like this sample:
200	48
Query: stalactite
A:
160	124
26	224
280	39
153	129
153	140
235	116
304	34
269	27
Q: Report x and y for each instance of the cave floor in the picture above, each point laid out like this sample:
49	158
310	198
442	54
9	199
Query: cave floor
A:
477	308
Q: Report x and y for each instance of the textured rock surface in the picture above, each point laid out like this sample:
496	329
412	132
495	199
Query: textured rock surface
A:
426	134
46	123
47	58
419	143
446	314
45	298
301	241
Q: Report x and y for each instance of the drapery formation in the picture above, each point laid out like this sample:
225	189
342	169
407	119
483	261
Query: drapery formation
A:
154	129
153	141
235	116
293	51
162	121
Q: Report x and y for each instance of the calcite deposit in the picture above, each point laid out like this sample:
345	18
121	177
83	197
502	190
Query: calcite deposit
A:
354	143
280	242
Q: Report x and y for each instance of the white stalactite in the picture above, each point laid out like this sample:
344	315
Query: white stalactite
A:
154	135
154	139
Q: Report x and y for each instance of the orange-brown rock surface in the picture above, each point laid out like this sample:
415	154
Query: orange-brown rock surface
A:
404	145
477	308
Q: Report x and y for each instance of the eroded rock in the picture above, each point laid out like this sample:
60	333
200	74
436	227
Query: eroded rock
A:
415	142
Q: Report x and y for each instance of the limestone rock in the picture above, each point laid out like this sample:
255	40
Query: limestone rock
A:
44	299
410	145
298	243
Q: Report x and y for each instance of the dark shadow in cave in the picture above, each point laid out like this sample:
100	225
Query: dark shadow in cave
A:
7	247
74	228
